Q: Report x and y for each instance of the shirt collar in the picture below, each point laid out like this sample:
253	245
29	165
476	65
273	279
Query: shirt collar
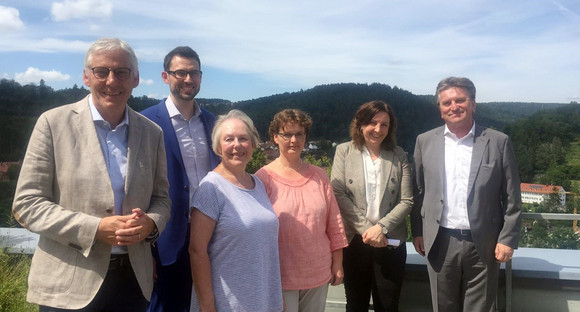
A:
97	116
173	111
471	132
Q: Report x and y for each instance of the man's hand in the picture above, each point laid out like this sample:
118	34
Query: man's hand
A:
138	228
419	246
503	253
108	227
374	236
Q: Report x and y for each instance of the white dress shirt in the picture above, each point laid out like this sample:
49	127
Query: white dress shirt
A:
192	144
457	166
372	170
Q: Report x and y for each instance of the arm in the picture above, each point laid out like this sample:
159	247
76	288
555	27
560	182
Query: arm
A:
35	204
202	228
351	215
400	212
419	192
512	203
336	268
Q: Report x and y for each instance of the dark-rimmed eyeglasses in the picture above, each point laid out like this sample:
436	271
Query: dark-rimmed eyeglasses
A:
182	74
287	136
102	73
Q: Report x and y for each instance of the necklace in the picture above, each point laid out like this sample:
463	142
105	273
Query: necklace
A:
289	167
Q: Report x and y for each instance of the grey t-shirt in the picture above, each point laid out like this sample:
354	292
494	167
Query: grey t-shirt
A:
243	250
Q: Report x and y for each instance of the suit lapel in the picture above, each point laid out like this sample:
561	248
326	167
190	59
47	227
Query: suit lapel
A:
355	160
439	156
386	171
479	145
133	146
88	139
171	143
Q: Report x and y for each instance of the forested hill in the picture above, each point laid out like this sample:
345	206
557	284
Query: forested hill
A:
332	107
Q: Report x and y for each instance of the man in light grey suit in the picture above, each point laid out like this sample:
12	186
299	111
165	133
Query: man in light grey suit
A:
94	185
466	214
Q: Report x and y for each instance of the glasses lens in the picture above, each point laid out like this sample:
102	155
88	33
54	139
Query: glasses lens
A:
101	72
181	74
122	73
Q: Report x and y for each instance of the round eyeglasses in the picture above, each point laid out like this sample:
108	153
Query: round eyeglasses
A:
102	73
182	74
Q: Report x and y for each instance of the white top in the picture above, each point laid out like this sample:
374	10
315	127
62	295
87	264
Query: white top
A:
457	167
192	144
372	170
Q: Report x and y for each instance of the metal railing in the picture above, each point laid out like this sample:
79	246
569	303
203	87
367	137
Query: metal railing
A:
508	265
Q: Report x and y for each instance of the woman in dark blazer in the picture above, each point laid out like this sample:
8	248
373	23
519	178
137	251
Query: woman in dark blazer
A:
371	179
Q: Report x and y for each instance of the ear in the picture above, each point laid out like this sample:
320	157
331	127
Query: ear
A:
86	78
165	77
136	80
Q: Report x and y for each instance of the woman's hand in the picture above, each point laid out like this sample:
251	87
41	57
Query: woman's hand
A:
374	237
336	268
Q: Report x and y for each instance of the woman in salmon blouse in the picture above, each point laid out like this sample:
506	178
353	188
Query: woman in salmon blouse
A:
311	235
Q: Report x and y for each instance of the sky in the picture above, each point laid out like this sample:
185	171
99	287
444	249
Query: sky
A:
513	50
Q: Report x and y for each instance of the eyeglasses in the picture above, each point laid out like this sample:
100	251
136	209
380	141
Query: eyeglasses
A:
182	74
288	136
102	73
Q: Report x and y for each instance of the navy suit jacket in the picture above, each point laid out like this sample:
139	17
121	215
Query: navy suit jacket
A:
172	242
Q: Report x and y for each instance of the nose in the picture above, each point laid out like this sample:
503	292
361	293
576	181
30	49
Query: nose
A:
111	77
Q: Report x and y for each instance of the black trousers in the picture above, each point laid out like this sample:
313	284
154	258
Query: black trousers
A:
120	291
373	271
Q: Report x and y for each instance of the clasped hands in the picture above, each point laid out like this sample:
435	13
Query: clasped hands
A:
374	237
125	230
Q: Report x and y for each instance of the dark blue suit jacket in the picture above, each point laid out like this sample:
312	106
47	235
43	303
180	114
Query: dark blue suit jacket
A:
172	242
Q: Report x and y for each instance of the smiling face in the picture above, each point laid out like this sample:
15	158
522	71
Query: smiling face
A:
235	144
182	89
293	146
456	109
376	130
110	94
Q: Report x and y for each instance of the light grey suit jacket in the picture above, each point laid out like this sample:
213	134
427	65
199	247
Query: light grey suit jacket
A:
64	190
493	201
348	183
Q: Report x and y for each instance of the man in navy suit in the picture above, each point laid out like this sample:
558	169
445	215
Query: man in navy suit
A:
187	131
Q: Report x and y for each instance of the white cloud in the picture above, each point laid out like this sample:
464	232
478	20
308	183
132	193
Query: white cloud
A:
10	19
34	75
146	82
4	76
80	9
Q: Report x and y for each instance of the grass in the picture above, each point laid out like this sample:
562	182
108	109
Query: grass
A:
13	283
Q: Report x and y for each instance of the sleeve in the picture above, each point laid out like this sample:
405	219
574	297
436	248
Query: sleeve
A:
35	206
351	215
418	190
334	226
511	198
208	199
399	213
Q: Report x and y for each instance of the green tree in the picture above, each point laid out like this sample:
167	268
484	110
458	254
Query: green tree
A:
258	161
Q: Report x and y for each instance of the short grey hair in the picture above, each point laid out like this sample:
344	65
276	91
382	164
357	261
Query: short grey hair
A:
233	114
111	44
456	82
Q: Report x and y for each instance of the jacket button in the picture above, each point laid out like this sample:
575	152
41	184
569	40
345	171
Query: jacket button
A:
109	210
185	187
349	181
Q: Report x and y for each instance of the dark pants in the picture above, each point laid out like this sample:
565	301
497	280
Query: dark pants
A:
459	279
377	271
172	289
120	291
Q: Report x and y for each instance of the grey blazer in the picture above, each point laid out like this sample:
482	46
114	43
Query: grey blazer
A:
493	201
348	183
64	190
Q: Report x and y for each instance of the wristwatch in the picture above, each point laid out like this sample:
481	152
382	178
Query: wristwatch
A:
384	229
153	236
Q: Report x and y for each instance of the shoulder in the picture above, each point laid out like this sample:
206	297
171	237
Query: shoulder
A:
432	132
207	115
399	152
346	147
491	133
152	110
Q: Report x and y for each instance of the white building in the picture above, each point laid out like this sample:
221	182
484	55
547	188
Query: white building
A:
537	193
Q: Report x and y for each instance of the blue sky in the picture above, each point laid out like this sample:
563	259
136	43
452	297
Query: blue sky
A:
517	50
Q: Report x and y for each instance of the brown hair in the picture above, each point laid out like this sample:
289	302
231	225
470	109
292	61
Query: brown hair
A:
287	116
363	117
